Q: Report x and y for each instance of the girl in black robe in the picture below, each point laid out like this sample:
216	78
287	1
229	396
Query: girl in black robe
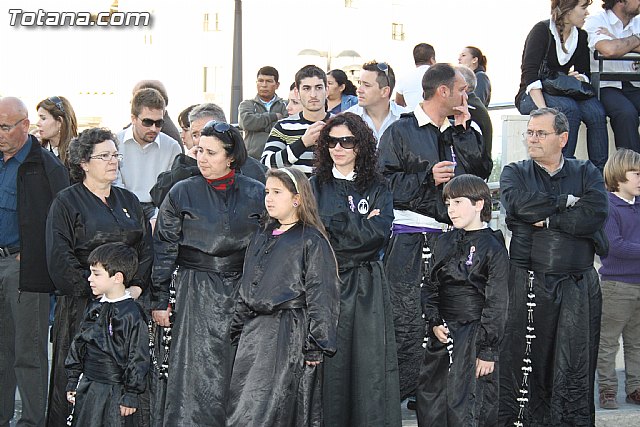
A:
286	316
361	386
464	302
204	226
81	218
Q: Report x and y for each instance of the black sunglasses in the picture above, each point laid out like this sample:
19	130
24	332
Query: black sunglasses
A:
58	103
218	127
149	122
385	69
346	142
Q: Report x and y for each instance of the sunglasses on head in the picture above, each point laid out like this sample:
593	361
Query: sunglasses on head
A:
385	69
219	127
149	122
57	101
346	142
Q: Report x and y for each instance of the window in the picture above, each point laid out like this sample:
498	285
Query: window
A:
397	31
211	22
351	3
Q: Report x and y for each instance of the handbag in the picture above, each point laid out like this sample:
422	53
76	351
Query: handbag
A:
558	83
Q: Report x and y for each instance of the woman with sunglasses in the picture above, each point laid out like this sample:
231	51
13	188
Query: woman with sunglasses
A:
356	207
56	124
204	226
82	217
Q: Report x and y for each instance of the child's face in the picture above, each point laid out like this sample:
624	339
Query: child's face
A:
100	281
631	188
279	201
464	214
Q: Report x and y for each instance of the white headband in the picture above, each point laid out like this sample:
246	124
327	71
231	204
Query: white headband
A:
295	183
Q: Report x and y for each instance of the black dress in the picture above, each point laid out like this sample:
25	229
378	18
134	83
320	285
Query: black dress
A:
203	232
112	354
467	289
552	267
79	222
287	313
361	385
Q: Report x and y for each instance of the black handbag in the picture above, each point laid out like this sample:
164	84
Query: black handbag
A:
560	84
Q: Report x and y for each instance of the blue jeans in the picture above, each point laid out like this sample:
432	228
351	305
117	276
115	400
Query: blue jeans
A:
591	112
623	107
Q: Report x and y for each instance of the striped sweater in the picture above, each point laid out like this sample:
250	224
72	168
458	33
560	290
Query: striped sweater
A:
284	146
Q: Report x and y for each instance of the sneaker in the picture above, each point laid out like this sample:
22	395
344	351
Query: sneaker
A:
608	399
634	397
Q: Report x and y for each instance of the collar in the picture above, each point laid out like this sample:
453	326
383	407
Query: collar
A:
126	295
338	175
613	18
22	153
128	136
424	119
629	202
552	173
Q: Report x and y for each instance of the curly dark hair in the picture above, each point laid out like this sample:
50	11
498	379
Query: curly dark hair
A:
366	166
81	149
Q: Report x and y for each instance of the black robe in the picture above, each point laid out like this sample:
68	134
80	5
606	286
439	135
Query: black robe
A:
553	269
111	351
203	232
79	222
361	380
287	313
467	289
407	155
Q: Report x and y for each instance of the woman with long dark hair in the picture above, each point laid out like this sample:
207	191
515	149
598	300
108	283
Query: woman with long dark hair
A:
473	58
356	207
341	92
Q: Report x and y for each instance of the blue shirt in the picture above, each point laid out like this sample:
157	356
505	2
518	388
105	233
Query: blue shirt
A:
10	232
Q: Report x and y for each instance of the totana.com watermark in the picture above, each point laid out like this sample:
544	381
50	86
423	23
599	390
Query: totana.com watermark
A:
42	18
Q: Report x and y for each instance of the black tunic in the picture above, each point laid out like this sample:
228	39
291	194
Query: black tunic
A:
203	232
557	262
467	289
111	351
79	222
287	313
407	154
361	380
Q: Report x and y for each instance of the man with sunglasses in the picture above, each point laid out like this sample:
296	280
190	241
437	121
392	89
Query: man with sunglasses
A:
419	153
30	177
146	151
375	106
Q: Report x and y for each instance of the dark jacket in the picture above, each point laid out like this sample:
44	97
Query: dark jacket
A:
408	152
40	177
480	115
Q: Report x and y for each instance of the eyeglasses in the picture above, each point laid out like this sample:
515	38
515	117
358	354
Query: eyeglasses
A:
7	128
346	142
541	135
148	123
382	66
107	157
58	103
218	127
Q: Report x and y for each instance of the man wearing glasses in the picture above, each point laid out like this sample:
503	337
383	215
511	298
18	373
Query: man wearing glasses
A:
419	153
556	209
375	106
146	151
30	177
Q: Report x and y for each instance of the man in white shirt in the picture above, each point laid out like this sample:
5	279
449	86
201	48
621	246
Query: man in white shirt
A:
614	32
374	97
409	89
146	152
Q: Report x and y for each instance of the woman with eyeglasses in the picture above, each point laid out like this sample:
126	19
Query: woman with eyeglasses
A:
82	217
204	226
361	385
56	124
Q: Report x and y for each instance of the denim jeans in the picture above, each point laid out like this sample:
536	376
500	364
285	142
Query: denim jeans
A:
620	315
622	107
24	320
589	111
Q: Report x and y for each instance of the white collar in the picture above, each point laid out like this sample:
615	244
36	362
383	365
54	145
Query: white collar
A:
570	44
424	119
126	295
338	175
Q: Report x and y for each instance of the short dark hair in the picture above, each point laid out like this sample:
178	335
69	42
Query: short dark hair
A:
81	149
471	187
153	84
616	168
341	79
269	71
423	53
560	121
231	140
477	53
608	4
437	75
310	71
148	97
382	76
183	117
115	258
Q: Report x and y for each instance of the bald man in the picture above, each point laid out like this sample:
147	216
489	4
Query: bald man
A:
30	177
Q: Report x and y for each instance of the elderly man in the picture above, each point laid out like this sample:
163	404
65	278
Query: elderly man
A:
419	153
556	209
30	177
